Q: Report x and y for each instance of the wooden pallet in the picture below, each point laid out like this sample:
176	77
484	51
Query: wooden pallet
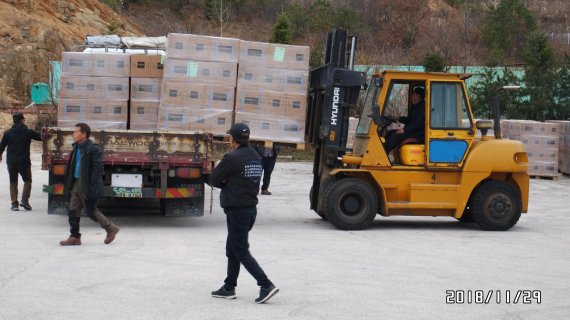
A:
537	177
270	144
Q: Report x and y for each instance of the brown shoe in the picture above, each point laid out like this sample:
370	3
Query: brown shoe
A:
71	241
112	231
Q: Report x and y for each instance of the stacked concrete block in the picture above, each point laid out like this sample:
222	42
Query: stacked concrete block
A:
198	90
541	141
94	88
271	90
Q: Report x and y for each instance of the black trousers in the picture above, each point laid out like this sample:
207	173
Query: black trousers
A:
239	222
268	164
394	139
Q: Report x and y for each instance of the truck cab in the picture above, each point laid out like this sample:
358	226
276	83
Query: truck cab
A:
451	171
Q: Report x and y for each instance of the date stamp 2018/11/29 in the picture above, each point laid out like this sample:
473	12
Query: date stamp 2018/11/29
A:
493	296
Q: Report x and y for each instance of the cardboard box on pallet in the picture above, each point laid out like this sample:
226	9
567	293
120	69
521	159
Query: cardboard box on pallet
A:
156	66
270	128
115	88
80	87
173	118
273	55
118	113
543	168
281	80
275	103
249	101
216	121
144	115
202	48
111	65
140	66
183	94
71	111
199	72
76	63
296	105
220	97
146	89
221	121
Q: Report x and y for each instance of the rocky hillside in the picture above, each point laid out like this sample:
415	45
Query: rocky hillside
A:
34	32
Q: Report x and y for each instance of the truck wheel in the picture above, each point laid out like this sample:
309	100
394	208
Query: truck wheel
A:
319	212
496	205
351	204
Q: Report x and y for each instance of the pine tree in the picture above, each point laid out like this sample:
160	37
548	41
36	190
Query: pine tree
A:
433	62
281	31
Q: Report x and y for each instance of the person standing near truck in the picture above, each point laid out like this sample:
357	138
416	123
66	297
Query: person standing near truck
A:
238	175
268	159
84	184
18	139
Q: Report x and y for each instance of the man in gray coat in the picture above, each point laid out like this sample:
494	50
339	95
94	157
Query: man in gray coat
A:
84	184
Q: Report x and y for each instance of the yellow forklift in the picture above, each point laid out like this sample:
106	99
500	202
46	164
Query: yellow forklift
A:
450	171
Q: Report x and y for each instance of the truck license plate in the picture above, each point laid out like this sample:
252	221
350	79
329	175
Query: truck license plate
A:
123	192
126	180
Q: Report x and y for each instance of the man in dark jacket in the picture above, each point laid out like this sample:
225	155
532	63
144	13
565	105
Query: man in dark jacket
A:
238	175
18	139
414	123
84	184
268	159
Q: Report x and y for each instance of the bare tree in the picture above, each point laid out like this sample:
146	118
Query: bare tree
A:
222	13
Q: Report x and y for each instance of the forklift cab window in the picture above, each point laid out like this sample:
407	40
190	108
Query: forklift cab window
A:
370	110
448	106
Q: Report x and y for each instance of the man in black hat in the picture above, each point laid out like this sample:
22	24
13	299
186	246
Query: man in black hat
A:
414	123
18	140
238	175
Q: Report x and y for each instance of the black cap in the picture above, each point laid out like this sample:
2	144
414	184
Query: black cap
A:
17	117
239	131
421	91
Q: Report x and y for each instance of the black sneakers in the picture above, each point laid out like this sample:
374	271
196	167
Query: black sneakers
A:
265	192
266	294
15	206
223	293
26	205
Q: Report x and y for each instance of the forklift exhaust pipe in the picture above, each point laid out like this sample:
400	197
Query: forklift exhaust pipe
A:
497	109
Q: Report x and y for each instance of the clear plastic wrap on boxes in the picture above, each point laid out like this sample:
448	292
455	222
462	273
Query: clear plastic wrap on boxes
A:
184	119
280	80
94	87
199	72
148	89
202	48
543	168
250	100
179	94
221	98
97	113
76	63
274	55
111	65
268	127
143	115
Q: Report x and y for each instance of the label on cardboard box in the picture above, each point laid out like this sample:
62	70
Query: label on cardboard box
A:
192	70
279	54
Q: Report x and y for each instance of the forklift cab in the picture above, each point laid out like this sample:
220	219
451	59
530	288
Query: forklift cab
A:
448	127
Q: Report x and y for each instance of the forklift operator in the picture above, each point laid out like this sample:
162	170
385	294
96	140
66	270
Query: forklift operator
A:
414	128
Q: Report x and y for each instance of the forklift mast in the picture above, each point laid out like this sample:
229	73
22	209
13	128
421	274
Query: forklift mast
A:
333	89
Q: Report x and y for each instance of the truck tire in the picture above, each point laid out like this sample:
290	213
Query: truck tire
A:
351	204
496	205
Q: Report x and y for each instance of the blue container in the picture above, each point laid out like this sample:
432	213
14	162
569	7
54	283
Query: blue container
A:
40	93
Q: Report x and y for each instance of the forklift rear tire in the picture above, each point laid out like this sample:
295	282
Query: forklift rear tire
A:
496	205
351	204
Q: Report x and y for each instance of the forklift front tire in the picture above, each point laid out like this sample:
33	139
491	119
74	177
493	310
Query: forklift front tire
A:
351	204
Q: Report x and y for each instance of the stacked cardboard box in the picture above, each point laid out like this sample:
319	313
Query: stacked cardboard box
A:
94	88
146	80
271	90
198	90
564	151
541	140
